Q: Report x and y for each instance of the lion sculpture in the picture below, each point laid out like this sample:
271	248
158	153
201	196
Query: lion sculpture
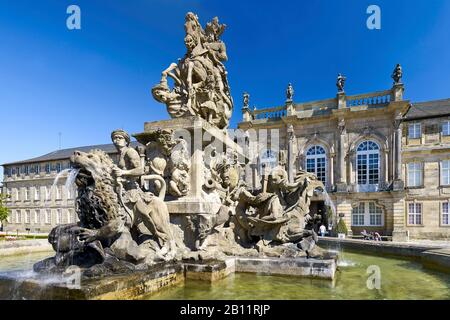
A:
109	218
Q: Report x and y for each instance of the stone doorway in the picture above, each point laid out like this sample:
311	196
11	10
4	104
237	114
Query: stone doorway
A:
318	207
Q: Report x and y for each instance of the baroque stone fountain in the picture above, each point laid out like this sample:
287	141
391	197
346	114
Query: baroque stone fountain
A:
176	206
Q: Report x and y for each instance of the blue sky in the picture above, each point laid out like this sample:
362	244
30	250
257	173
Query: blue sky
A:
85	83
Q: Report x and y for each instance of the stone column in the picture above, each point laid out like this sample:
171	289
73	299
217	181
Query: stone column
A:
290	156
332	156
341	186
301	161
399	232
254	167
398	181
197	164
351	159
386	167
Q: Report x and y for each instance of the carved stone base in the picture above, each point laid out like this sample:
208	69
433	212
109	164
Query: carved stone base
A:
341	187
398	185
195	219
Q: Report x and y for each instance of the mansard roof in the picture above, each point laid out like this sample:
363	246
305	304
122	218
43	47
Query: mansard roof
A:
428	109
64	154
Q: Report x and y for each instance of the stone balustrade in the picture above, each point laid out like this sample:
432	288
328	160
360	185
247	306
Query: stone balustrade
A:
379	98
371	99
270	113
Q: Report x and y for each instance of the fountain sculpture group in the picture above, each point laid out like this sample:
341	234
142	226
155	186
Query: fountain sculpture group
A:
175	199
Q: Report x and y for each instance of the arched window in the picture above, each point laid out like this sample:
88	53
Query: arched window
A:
368	165
316	162
267	161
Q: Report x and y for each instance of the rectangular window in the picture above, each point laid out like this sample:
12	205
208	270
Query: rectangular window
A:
367	214
48	168
445	172
373	168
37	169
58	216
14	195
47	194
68	216
37	193
415	174
446	128
47	214
362	168
18	217
375	214
445	214
414	130
27	216
358	215
27	169
37	217
27	194
58	190
70	192
415	213
58	167
18	171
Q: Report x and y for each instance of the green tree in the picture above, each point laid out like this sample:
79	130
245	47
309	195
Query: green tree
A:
4	211
342	227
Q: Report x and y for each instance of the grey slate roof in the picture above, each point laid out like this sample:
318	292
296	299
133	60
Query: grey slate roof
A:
428	109
66	153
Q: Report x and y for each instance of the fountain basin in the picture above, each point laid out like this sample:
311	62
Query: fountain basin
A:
139	284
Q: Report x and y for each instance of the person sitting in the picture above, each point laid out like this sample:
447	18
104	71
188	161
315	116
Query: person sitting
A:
366	236
376	236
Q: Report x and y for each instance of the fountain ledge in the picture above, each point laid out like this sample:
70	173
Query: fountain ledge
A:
139	284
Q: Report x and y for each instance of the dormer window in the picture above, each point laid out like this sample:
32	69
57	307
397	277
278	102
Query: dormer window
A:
414	130
446	128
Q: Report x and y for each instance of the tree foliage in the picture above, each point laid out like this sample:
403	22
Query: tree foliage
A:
342	227
4	211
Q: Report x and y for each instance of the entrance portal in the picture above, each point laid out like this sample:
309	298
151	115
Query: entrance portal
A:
319	208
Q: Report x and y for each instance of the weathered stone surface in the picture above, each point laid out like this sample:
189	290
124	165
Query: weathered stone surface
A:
128	286
304	267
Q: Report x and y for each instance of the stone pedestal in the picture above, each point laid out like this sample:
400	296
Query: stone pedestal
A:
397	92
195	213
246	115
290	108
398	185
341	187
341	100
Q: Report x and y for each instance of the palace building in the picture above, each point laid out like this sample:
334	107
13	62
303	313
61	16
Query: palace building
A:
38	202
385	163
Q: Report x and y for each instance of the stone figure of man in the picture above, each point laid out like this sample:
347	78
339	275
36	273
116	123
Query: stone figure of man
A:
129	168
